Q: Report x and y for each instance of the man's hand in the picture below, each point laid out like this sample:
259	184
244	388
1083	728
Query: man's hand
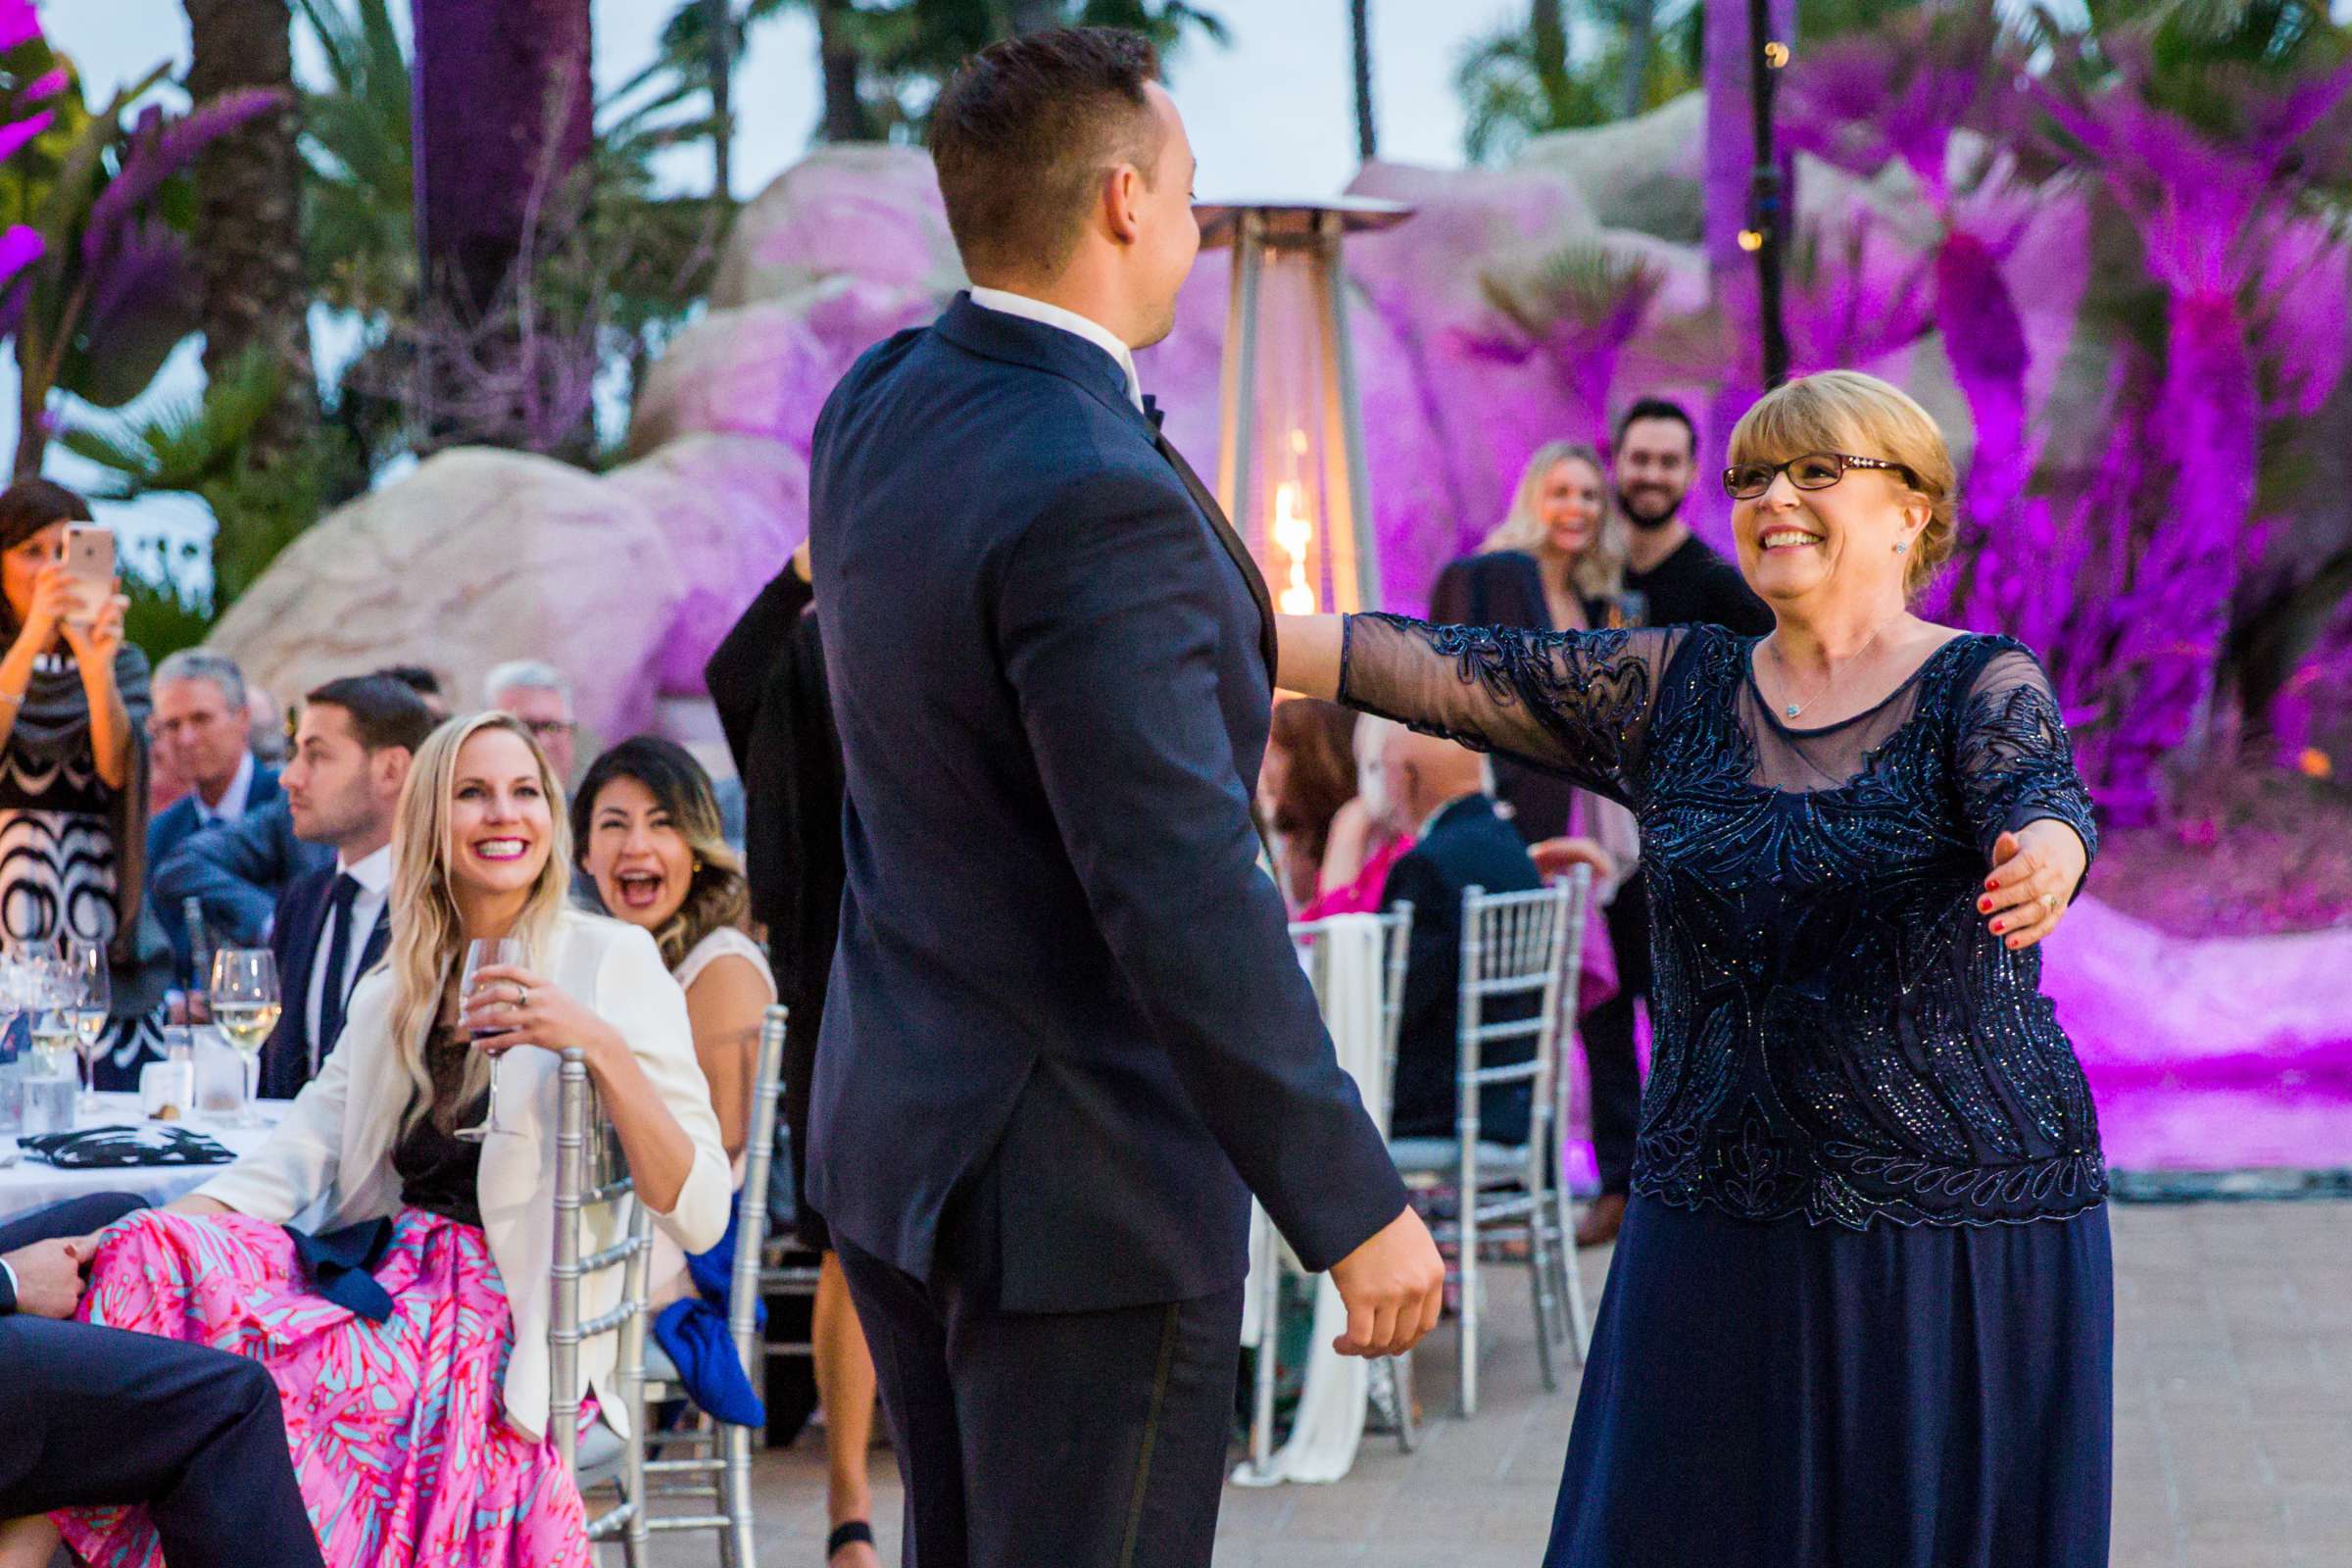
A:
1393	1287
49	1276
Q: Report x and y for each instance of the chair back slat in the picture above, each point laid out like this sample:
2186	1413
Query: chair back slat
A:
589	1174
750	1215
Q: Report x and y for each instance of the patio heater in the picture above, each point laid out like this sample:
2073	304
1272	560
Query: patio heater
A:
1290	431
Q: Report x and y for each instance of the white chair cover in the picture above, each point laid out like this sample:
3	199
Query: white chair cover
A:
1329	1422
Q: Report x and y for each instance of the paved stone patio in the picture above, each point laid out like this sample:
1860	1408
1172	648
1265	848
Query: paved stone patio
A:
2233	1448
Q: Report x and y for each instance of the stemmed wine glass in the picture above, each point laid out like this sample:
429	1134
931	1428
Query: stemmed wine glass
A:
89	997
245	1007
481	954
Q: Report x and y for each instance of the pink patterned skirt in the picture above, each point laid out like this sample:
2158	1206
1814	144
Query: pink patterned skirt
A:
398	1429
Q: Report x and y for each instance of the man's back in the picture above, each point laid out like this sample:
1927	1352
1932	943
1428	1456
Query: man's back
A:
1467	846
1061	979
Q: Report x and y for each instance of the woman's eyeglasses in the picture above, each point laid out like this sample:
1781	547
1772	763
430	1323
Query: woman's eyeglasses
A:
1815	471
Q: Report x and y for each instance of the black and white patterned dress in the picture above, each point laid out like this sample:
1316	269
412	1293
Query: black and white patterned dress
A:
62	834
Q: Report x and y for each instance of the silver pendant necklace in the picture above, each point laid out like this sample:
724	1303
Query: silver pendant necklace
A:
1794	710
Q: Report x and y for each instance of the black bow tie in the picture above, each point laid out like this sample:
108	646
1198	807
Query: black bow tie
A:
1152	411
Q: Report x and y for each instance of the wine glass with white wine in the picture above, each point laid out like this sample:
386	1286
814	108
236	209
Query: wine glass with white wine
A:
89	997
48	1007
245	1007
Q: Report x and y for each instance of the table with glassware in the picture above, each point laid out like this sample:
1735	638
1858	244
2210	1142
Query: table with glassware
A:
62	994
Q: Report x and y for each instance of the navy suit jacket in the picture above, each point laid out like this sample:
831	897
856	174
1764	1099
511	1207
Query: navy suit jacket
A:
298	938
174	825
238	871
1467	846
1064	1013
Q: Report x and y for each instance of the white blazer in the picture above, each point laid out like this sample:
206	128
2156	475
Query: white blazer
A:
337	1136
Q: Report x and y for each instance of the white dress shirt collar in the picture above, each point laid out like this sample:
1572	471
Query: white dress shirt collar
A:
232	804
372	872
1086	327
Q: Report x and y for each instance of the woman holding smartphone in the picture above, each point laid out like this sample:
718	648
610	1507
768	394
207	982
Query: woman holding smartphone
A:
423	1438
73	767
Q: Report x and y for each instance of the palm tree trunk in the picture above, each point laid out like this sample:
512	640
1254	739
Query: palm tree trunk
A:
722	66
248	230
502	122
1548	37
846	117
1359	28
1641	38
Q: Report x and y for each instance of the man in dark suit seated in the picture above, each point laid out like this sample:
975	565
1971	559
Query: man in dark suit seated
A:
1439	790
99	1417
351	758
238	872
202	726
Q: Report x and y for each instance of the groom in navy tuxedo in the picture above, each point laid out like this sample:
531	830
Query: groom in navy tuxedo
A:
1065	1038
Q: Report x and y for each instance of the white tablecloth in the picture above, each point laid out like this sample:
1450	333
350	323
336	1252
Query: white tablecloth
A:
1330	1420
35	1184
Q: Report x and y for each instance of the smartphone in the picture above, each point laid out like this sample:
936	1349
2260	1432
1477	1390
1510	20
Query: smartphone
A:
91	563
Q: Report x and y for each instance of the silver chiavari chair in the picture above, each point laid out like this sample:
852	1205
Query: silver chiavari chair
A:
717	1471
592	1177
1514	945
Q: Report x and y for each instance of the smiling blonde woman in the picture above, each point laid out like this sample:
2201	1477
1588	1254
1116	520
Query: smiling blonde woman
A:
423	1438
1861	1308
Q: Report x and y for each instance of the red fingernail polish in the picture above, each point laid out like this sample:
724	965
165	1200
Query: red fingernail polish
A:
1997	926
1985	904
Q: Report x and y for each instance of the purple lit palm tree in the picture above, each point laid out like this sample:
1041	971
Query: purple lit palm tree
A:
2210	213
101	291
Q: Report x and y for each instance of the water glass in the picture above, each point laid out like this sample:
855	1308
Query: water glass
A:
48	1103
245	1008
480	955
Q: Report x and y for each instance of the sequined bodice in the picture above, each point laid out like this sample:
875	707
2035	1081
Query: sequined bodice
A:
1838	1035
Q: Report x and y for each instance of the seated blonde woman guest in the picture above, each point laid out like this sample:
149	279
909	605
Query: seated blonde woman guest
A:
423	1439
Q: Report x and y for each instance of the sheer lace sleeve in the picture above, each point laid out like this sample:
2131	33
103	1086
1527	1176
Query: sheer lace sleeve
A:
1577	703
2014	761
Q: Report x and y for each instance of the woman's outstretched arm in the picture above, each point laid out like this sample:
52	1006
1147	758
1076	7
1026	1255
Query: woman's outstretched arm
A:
1308	663
1577	703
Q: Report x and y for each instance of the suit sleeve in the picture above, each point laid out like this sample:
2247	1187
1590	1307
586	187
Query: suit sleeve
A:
737	673
230	869
1108	631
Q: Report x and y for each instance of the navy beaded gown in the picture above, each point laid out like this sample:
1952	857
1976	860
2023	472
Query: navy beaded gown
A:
1860	1313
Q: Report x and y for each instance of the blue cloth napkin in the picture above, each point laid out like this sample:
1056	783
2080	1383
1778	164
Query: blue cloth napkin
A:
341	1266
694	1332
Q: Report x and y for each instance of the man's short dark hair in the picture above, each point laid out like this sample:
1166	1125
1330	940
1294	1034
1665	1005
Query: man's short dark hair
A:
1023	133
384	711
1658	409
415	677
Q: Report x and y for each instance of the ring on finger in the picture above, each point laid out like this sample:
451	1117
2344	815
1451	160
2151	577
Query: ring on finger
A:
2050	903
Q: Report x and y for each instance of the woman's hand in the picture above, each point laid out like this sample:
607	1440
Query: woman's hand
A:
1556	857
95	645
52	602
529	1010
2035	873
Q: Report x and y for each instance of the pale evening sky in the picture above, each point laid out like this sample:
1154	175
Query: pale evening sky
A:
1271	114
